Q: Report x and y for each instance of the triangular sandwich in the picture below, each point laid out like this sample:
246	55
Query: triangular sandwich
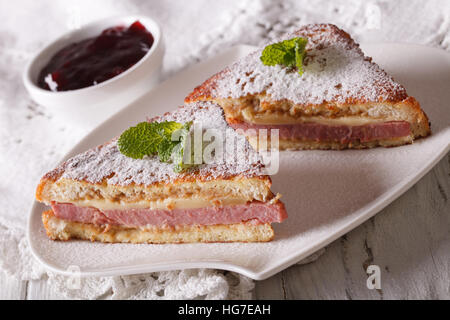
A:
338	99
103	195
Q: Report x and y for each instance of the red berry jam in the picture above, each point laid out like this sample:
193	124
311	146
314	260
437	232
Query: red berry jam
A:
94	60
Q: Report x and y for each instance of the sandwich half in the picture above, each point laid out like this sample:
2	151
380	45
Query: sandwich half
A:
103	195
342	99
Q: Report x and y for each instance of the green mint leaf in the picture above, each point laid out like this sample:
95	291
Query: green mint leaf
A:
145	138
167	139
288	53
279	53
139	141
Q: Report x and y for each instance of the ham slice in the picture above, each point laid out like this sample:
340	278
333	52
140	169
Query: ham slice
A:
256	211
341	133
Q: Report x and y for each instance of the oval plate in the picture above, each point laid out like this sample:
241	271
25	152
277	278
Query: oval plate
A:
327	193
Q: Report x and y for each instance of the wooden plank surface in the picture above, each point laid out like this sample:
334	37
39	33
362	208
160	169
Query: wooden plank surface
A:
39	290
11	288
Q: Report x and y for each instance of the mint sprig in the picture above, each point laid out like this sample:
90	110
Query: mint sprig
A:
165	139
289	53
139	141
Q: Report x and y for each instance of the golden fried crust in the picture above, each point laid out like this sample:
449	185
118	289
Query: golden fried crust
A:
68	190
204	92
58	229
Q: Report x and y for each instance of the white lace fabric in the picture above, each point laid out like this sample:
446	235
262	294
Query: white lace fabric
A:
32	142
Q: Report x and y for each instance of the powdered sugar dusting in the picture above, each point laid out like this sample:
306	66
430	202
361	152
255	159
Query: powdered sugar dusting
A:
106	162
335	70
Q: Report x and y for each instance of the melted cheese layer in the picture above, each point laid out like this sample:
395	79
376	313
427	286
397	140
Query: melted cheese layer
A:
167	204
276	119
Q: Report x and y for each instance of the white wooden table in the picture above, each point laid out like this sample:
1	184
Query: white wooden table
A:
409	240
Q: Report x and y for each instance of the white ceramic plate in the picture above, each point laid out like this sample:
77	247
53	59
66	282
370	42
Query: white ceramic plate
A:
327	193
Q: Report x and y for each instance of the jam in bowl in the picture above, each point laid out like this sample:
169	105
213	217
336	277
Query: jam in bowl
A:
89	74
94	60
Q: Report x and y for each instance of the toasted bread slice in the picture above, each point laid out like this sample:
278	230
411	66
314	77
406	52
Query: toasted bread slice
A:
342	100
59	229
105	196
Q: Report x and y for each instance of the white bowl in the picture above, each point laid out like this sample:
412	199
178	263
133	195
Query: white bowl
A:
89	106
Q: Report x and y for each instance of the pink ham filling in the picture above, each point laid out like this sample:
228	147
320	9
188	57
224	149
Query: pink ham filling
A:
256	211
341	133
